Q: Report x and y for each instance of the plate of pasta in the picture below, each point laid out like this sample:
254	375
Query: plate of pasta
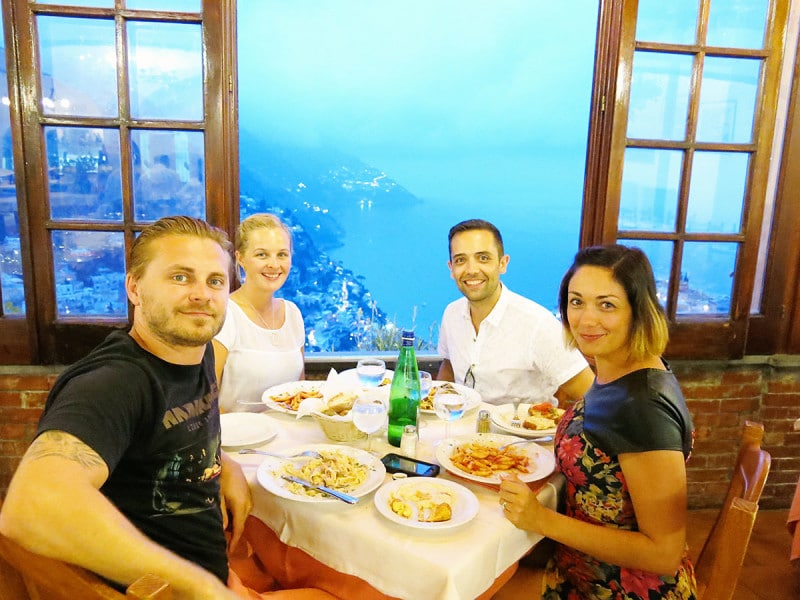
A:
478	457
349	470
472	399
286	397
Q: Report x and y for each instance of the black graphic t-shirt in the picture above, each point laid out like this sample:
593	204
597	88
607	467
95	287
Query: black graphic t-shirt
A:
156	425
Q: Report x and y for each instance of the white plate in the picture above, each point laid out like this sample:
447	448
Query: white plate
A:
502	414
351	377
542	461
465	503
471	397
291	387
269	472
245	429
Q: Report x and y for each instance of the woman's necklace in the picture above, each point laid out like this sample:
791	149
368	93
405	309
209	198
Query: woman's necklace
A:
270	328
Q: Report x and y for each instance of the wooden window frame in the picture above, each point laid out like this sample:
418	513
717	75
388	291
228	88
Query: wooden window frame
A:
698	337
40	338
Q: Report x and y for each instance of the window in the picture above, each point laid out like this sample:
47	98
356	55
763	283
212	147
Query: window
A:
693	137
680	122
374	128
115	134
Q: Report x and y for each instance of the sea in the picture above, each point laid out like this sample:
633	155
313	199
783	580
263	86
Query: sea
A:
401	250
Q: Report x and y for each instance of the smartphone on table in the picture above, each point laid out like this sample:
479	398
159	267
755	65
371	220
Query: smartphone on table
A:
396	463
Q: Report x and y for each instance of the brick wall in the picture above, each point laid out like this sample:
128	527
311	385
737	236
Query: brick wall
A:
721	396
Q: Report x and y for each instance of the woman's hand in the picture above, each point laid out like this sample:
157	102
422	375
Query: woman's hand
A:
521	506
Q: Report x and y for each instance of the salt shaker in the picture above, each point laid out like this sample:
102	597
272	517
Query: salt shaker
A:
408	442
482	425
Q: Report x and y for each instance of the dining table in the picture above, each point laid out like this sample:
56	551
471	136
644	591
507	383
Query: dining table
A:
394	560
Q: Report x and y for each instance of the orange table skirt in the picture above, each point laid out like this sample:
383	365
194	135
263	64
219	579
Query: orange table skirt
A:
265	564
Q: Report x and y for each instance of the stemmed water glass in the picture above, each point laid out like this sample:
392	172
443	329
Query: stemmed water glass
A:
369	414
370	371
448	407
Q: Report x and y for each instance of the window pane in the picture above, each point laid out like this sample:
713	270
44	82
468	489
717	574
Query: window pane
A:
90	274
660	255
375	127
13	292
650	182
81	166
737	23
89	3
171	5
716	193
169	177
728	100
673	22
707	277
659	98
166	71
79	67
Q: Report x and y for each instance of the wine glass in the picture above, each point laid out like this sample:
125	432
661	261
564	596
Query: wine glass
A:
370	371
369	415
448	407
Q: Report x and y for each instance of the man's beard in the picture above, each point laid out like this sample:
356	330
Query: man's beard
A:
199	332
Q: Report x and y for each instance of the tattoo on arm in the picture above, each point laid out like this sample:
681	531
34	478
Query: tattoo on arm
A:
66	446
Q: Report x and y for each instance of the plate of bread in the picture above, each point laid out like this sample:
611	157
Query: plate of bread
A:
539	419
426	503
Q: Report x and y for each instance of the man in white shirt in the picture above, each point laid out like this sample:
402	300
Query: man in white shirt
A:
493	340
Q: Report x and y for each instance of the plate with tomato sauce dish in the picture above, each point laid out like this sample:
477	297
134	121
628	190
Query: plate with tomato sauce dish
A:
477	457
535	423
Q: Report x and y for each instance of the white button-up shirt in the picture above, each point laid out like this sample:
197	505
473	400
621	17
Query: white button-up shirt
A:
518	351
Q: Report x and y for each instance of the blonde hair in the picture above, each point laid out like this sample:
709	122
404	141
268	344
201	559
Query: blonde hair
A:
256	222
142	250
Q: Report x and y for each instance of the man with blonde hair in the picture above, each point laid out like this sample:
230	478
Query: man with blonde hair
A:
126	475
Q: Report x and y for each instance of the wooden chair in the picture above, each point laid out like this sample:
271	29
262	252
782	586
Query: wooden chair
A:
720	561
28	576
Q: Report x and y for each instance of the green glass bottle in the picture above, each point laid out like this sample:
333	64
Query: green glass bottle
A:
404	394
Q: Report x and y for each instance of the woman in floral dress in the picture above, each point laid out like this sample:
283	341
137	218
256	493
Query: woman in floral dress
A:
622	449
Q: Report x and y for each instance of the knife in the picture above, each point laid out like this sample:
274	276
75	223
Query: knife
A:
331	492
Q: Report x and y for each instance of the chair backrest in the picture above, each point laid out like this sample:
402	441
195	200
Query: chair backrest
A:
28	576
720	561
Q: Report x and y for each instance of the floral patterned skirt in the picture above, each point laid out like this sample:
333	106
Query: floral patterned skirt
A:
574	575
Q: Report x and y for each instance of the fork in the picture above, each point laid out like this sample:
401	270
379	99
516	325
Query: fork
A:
504	446
310	453
515	420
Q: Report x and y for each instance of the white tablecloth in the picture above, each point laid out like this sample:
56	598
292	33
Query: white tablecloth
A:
456	563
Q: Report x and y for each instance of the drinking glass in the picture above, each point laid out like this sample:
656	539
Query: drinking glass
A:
369	415
425	382
449	408
370	371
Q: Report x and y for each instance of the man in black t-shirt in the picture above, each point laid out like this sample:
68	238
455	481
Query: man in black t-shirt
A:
126	476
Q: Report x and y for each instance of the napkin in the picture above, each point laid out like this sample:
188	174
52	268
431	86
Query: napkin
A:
334	384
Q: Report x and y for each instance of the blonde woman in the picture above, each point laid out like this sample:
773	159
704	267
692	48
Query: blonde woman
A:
261	342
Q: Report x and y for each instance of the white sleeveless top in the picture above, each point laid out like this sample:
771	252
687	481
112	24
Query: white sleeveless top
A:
258	358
